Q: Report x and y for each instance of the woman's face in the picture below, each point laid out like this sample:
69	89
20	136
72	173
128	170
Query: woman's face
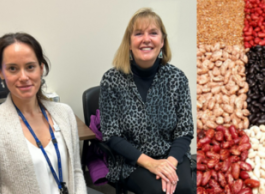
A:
146	43
21	71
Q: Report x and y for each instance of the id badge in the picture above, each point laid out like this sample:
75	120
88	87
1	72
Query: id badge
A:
64	189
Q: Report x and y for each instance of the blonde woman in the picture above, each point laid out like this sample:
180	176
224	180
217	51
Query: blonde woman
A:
146	111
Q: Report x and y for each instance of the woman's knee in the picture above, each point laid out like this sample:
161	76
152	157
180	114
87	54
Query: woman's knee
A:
153	190
184	188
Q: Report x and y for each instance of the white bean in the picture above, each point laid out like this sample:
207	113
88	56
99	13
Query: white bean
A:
261	148
261	154
257	160
255	129
255	146
255	190
262	165
262	128
247	131
252	134
254	140
262	137
262	174
262	189
252	154
258	135
250	162
257	171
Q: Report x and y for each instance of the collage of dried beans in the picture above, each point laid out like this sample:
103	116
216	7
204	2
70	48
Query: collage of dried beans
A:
231	96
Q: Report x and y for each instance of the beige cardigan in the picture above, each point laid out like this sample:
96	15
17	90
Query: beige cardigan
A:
17	174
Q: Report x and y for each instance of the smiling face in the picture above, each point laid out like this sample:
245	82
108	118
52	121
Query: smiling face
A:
21	71
146	42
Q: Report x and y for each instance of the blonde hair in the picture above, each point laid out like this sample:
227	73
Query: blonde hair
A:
121	60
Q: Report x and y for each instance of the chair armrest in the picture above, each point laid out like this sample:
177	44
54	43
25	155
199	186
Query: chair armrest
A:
194	162
106	149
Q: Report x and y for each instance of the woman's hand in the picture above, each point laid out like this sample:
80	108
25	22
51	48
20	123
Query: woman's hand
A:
163	168
168	187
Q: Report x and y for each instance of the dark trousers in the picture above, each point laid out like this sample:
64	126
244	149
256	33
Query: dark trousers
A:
141	181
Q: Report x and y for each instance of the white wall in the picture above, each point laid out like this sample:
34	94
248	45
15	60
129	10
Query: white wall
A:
80	38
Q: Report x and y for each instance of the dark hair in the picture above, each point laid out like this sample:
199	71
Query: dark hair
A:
25	38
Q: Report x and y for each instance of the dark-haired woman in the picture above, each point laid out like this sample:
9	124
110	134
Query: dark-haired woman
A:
39	144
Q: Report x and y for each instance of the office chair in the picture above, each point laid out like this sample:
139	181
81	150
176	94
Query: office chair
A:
3	90
90	105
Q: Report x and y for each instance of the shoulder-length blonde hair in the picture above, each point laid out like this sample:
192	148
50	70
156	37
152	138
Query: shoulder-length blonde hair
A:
121	60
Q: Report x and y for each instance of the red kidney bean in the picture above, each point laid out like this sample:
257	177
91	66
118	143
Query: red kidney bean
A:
199	178
206	177
221	179
224	153
237	185
244	175
244	155
252	183
214	174
245	166
235	170
245	191
233	132
209	133
219	136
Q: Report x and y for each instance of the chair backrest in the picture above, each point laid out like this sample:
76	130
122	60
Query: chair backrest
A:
3	90
90	102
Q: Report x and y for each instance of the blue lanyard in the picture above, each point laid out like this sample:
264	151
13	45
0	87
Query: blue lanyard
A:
59	182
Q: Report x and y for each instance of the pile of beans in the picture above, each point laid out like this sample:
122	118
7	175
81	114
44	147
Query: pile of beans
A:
221	166
254	30
221	86
255	74
256	156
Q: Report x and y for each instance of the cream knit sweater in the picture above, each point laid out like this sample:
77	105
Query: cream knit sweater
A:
17	175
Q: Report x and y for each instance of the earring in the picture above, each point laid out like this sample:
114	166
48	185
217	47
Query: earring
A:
2	83
160	55
131	58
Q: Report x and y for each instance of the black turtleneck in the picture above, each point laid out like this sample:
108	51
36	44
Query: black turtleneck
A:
143	78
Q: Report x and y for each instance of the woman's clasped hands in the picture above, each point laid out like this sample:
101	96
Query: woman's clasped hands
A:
170	177
164	169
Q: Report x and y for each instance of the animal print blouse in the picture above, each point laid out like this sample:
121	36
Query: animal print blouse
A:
152	126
